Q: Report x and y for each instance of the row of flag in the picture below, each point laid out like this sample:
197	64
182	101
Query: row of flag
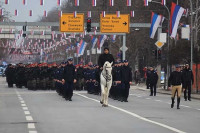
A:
157	20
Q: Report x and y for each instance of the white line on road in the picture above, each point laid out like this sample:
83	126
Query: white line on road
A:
23	105
29	118
26	112
31	125
22	101
25	108
137	116
32	131
185	106
147	98
158	100
198	109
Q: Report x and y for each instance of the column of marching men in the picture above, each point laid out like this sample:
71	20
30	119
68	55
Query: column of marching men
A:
65	77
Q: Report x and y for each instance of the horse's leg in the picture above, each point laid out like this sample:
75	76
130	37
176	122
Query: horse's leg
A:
102	94
107	93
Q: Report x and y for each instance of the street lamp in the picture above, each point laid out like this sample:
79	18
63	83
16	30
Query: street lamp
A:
168	37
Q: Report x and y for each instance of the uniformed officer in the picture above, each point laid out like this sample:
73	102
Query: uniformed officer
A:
175	84
69	78
152	79
188	80
126	78
10	75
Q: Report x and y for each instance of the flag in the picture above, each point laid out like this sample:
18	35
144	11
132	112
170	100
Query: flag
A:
118	13
146	2
132	13
94	41
6	2
1	12
103	13
163	2
176	14
83	45
75	14
162	20
102	40
76	2
30	13
41	2
60	13
59	2
24	2
89	14
42	33
128	3
113	38
45	13
155	21
94	2
16	12
111	2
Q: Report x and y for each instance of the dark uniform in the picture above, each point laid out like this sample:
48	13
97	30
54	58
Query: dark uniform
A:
126	78
80	77
152	79
69	76
105	57
10	75
188	80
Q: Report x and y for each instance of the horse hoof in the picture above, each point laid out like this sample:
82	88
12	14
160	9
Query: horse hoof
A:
101	102
104	105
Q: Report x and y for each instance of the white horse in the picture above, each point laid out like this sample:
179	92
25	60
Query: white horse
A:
106	82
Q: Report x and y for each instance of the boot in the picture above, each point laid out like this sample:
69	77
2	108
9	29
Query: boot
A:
178	102
172	105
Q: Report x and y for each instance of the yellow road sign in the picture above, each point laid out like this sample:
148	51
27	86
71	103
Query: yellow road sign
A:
113	24
159	44
69	23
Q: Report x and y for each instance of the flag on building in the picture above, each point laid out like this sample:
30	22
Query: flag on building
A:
111	2
155	22
16	12
163	2
128	2
132	13
30	12
94	2
41	2
176	14
76	2
94	41
146	2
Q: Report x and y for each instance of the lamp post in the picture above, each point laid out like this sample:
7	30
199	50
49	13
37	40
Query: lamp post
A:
191	36
168	38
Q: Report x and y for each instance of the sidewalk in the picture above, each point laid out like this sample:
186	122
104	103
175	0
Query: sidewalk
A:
162	91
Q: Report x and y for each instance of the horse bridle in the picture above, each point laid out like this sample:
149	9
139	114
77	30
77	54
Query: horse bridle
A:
107	76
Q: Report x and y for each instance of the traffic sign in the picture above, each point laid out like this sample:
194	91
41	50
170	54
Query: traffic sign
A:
159	44
125	48
69	23
113	24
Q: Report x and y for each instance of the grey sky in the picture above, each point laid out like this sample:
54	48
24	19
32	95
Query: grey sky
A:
23	11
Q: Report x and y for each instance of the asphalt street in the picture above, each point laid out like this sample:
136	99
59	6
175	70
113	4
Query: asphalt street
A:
24	111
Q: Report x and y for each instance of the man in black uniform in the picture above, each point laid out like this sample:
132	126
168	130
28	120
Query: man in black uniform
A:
106	56
152	79
10	75
188	80
69	78
126	79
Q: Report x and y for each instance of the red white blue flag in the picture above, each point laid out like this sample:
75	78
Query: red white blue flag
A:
75	14
30	13
1	12
60	13
132	13
16	12
59	2
163	2
94	2
94	41
118	13
89	14
24	2
155	22
45	13
6	2
41	2
176	14
111	2
146	2
128	3
103	13
76	2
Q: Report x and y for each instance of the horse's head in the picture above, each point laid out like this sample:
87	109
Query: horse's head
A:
107	66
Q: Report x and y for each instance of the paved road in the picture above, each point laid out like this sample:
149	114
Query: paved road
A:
23	111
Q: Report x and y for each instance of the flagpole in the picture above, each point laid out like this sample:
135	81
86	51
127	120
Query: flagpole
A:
168	41
191	36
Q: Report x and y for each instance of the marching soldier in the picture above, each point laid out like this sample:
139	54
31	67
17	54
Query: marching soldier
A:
152	79
9	75
175	84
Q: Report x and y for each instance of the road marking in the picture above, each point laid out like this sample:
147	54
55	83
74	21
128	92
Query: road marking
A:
22	101
29	118
25	108
198	109
26	112
32	131
147	98
158	100
185	106
137	116
23	105
31	125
